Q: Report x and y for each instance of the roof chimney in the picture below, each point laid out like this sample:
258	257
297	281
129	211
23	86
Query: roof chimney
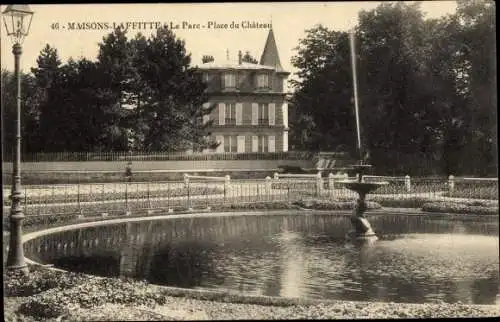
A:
239	57
207	59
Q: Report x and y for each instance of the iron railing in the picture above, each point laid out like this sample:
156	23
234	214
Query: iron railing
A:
165	156
197	192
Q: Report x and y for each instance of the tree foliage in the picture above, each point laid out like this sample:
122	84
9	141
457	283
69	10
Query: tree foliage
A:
29	111
140	93
426	89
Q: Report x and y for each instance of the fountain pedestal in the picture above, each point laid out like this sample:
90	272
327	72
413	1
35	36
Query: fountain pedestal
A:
362	228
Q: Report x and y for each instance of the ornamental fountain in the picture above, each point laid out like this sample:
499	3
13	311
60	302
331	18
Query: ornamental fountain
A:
362	229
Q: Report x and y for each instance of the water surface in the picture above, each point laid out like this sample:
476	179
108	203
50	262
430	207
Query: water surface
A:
417	259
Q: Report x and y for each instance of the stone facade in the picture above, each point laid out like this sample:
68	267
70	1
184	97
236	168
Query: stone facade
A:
251	112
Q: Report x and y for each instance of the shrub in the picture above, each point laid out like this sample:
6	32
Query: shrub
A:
39	280
461	208
94	292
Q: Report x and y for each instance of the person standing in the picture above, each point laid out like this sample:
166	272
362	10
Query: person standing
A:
128	171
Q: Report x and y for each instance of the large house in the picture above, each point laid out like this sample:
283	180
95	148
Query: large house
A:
251	112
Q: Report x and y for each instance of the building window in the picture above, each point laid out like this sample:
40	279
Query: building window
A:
230	114
263	114
205	77
262	81
230	143
263	143
229	80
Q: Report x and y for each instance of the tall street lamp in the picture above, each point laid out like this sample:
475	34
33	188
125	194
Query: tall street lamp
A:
17	19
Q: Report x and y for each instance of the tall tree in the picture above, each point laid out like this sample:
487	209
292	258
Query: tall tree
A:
172	95
29	112
117	92
478	57
47	74
426	93
393	102
323	116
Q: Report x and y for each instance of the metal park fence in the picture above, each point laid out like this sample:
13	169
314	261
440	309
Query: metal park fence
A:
167	156
199	192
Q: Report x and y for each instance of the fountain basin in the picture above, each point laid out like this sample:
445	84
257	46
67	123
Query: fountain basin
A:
289	254
362	187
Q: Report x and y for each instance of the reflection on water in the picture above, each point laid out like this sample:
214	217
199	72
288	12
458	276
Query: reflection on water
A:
417	259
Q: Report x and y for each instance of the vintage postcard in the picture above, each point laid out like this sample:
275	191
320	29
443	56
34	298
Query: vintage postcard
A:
206	161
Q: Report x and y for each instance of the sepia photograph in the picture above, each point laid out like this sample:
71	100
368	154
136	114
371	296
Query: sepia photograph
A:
251	160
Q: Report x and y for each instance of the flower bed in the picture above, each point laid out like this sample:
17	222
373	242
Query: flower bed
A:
479	208
67	296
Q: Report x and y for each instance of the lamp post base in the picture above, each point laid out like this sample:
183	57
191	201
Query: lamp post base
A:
15	253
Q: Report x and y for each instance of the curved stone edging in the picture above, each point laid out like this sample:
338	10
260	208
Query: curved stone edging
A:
213	295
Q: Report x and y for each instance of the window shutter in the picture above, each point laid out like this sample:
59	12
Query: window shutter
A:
272	110
285	141
206	117
240	148
285	114
255	143
255	114
271	145
220	139
222	113
239	113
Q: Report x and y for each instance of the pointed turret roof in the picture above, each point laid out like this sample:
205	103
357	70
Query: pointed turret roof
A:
270	55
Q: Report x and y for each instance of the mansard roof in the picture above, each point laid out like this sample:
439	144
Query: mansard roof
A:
269	60
270	55
228	64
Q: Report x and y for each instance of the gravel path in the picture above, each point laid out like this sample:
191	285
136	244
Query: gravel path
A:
191	309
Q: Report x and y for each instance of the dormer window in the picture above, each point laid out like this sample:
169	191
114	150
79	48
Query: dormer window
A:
262	81
229	80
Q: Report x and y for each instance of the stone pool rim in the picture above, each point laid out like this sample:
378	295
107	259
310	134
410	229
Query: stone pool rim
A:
231	296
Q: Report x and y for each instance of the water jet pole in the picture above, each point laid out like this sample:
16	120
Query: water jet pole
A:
355	85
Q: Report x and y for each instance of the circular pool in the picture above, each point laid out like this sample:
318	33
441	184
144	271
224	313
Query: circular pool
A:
417	259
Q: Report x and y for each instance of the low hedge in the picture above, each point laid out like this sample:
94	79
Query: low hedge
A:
318	204
391	202
479	208
474	192
271	205
34	222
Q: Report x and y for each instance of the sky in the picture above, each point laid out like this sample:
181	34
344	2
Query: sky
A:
51	25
